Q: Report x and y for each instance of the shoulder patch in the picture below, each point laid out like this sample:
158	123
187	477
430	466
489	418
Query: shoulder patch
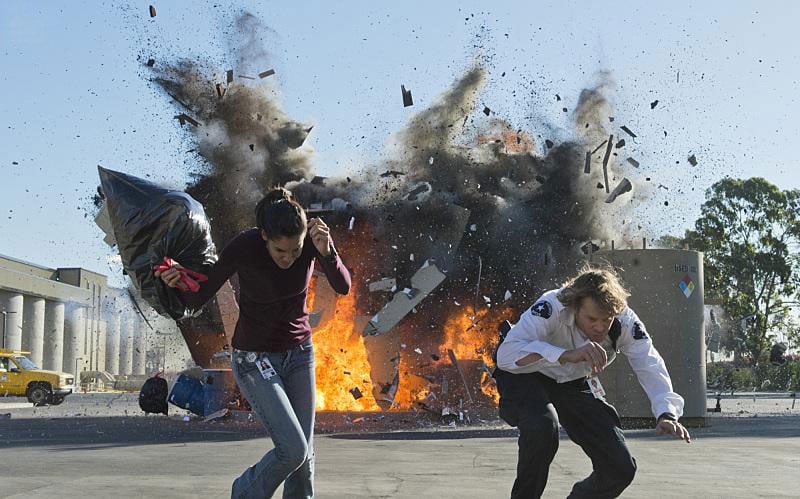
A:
542	309
639	332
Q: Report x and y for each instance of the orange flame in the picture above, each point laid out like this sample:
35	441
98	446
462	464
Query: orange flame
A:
514	142
341	360
412	388
472	336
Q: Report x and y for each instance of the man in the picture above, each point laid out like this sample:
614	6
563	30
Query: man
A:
547	368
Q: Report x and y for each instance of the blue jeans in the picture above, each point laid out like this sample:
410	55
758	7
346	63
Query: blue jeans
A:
285	404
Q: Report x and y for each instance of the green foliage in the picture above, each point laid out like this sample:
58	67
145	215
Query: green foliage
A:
748	230
725	377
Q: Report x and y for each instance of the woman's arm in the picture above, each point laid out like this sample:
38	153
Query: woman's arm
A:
326	254
220	272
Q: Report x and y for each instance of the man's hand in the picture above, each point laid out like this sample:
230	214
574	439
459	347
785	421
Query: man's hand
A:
670	427
320	235
171	276
592	352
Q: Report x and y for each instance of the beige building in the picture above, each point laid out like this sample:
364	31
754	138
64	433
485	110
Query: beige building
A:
70	320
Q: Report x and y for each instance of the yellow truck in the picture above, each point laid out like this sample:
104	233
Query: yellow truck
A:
20	377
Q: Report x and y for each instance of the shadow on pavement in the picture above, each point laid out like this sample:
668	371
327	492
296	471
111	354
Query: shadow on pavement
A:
718	427
105	432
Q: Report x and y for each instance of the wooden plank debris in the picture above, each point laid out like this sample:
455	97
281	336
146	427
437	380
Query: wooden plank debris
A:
621	188
610	143
600	146
185	118
628	131
454	360
407	99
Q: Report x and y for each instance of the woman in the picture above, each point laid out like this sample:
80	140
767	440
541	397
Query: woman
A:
273	359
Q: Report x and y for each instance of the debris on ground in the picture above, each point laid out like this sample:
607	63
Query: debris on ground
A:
216	415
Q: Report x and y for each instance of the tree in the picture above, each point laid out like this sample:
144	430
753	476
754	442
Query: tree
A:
670	242
749	231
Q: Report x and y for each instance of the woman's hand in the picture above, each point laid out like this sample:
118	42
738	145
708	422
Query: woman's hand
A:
171	276
320	235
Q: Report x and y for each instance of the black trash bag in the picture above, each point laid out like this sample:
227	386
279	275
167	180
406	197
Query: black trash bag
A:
153	395
151	222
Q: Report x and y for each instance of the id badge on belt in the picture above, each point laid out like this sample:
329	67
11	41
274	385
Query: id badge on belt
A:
265	367
596	387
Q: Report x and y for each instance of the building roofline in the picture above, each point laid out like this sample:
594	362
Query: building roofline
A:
25	262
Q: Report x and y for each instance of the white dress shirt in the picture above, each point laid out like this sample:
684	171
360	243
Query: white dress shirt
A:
548	328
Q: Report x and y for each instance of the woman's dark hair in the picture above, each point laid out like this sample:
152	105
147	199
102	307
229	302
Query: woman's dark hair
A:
279	215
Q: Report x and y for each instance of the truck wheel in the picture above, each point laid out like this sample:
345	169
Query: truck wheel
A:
39	394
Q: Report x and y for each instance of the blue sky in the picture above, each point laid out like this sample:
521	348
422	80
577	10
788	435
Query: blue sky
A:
75	95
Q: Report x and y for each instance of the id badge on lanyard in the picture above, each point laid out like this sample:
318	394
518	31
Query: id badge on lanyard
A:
265	367
596	387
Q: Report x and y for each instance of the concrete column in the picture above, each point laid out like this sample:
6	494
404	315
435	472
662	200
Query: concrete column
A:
33	328
53	335
100	346
139	347
11	308
73	341
112	344
126	346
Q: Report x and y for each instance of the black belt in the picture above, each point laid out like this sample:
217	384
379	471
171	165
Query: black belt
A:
579	383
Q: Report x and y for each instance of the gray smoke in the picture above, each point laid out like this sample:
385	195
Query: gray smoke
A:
528	214
247	142
443	196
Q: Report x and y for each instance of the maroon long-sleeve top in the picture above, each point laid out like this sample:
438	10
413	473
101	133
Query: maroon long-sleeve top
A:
272	301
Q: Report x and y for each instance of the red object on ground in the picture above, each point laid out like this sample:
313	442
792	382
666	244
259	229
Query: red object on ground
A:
190	280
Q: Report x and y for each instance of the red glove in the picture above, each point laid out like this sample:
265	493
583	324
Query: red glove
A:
190	280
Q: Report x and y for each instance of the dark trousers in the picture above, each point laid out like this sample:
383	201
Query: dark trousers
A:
536	404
